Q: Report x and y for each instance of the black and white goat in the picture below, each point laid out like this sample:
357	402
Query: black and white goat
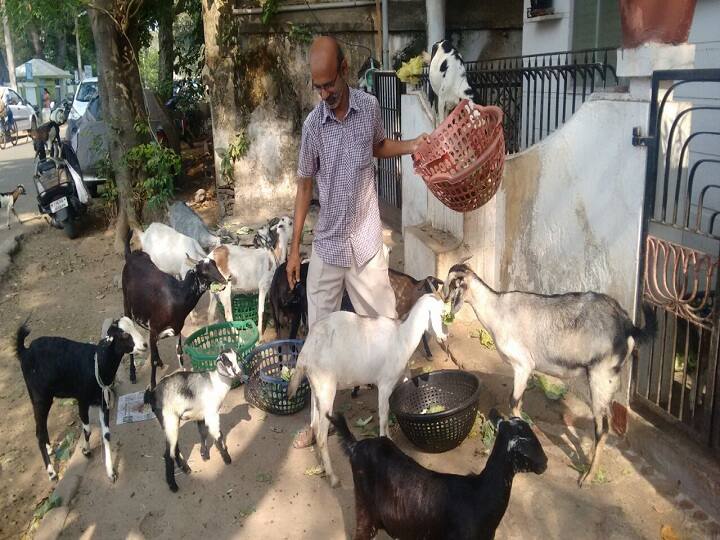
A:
393	492
56	367
563	335
160	302
8	200
448	78
186	396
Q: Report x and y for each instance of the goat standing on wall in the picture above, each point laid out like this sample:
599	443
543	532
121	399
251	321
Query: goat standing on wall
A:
562	335
448	78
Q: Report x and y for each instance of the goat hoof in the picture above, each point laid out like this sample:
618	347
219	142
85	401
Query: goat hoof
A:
86	452
185	468
133	379
334	481
113	477
53	476
173	487
205	455
227	459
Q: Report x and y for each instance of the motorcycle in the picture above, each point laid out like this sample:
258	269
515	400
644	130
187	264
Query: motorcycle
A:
61	192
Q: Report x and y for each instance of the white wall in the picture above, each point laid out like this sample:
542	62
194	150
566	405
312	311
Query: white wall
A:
416	119
542	35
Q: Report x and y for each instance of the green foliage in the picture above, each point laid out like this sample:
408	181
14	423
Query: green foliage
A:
269	9
160	166
53	501
236	150
189	38
299	33
149	64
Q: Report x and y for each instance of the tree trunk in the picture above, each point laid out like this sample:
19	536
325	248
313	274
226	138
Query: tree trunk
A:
36	41
9	52
166	49
123	103
61	57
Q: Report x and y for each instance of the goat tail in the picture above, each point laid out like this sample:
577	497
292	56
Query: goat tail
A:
347	439
22	332
646	333
295	380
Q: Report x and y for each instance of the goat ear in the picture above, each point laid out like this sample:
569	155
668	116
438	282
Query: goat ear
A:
190	260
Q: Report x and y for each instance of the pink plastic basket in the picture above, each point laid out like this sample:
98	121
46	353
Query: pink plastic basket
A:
462	161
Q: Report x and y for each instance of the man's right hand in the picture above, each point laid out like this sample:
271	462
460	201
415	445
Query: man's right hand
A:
293	267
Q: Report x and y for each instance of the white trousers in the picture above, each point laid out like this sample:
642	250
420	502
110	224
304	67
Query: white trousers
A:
368	287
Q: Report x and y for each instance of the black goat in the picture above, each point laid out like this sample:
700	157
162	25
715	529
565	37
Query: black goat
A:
58	367
408	501
160	302
289	304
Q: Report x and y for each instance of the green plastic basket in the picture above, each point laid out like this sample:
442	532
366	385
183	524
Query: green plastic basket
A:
244	307
204	346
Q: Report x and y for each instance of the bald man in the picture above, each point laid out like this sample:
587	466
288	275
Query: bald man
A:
340	137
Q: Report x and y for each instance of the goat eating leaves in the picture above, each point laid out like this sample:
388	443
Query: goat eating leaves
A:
562	335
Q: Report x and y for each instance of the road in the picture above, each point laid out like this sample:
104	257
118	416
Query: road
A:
16	167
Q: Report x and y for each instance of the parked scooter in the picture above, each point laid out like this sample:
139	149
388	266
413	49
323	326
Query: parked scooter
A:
61	192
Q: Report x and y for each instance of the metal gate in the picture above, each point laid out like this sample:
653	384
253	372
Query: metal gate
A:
676	377
388	89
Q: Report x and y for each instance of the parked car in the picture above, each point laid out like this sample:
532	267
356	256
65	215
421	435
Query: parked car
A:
86	90
88	136
24	114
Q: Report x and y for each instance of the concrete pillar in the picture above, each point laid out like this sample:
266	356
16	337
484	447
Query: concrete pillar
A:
435	10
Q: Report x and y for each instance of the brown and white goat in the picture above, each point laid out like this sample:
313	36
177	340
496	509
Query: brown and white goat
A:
8	200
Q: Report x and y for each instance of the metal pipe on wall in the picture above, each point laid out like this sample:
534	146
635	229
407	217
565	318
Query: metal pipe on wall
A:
435	12
385	36
308	7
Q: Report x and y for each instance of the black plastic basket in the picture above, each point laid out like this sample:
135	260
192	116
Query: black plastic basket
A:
265	388
457	391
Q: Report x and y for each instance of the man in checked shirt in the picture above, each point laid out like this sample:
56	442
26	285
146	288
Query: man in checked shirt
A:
340	137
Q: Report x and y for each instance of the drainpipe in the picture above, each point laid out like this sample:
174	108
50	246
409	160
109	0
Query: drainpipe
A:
435	12
385	36
308	7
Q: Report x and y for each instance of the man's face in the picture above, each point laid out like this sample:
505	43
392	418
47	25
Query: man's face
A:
328	82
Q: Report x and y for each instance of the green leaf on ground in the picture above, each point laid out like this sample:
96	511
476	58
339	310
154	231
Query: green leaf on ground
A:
65	448
53	501
525	416
485	338
264	477
601	477
318	470
245	512
362	422
553	391
484	429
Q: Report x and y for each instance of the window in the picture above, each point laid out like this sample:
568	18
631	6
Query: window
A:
13	98
596	24
87	91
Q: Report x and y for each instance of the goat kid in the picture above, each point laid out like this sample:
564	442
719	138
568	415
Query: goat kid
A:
562	335
169	250
393	492
186	396
249	270
56	367
345	350
8	200
448	78
160	302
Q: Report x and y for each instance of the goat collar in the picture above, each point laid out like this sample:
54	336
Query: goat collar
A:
107	390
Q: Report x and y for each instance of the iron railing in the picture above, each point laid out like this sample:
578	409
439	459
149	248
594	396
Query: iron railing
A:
539	92
677	376
388	89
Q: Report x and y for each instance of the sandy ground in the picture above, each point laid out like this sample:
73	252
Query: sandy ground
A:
67	288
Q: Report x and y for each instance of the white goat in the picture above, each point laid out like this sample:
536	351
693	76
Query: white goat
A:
563	335
168	249
448	78
182	397
345	350
250	270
